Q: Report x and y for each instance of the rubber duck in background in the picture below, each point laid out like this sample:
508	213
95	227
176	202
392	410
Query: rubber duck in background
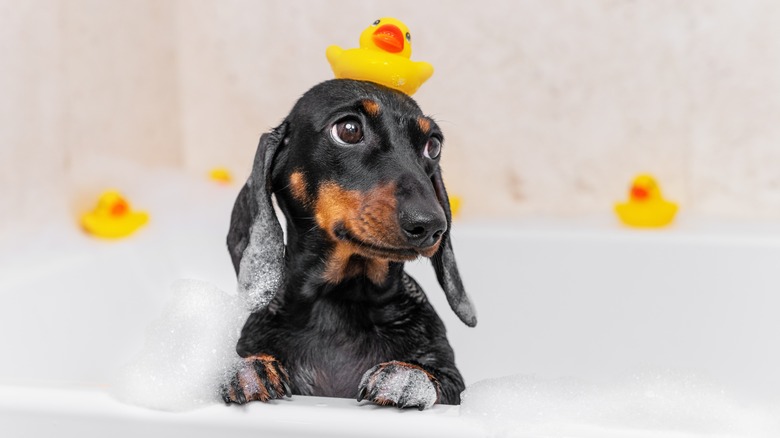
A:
455	203
221	175
383	57
646	206
113	217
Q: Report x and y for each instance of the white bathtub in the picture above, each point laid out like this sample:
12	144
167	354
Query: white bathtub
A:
587	300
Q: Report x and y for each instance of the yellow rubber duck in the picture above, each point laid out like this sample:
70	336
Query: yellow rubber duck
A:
646	207
383	57
113	218
221	175
455	203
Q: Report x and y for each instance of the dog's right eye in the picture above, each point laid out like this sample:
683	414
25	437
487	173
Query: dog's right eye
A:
347	132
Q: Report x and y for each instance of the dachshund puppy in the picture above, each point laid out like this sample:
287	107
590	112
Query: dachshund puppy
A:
355	169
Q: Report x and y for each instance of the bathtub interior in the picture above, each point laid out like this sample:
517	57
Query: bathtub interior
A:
572	307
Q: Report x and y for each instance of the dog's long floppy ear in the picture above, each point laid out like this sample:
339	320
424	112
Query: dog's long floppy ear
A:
255	239
445	266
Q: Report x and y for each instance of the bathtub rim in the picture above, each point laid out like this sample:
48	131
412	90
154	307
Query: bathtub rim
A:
36	410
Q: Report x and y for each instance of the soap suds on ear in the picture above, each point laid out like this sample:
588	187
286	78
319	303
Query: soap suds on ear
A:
261	270
189	351
260	273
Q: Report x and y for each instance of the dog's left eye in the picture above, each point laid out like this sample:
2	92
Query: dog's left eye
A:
347	132
432	148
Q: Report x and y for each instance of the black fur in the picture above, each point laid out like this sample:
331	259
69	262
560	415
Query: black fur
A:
325	334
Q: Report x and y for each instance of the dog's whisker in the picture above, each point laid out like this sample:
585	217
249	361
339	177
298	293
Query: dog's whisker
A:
285	187
311	230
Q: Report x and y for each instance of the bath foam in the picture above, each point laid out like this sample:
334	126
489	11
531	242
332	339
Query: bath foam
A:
400	384
649	404
188	353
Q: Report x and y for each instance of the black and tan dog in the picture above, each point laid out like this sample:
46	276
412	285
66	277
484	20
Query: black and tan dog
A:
355	169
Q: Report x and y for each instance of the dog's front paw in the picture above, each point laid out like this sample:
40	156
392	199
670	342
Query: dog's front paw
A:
260	377
399	384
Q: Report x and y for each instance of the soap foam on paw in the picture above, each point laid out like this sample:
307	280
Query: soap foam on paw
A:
644	405
400	384
189	352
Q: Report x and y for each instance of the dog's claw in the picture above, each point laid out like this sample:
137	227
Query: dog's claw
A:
283	377
260	377
262	374
287	390
399	384
362	393
237	390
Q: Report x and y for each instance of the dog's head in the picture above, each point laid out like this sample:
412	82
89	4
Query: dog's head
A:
358	163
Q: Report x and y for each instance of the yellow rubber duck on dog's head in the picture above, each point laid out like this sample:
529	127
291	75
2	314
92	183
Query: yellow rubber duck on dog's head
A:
383	57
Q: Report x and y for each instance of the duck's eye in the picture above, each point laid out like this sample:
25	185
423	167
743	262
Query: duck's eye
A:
408	37
432	148
347	131
377	22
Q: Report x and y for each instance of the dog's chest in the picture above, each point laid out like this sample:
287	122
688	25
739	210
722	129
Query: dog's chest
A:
339	343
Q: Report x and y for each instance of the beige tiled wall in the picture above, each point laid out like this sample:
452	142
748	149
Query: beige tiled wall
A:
32	164
548	106
82	81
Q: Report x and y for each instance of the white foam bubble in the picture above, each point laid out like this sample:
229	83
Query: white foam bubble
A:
642	405
398	381
189	350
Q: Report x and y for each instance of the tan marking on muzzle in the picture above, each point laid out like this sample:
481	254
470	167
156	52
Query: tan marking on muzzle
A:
371	218
298	187
343	264
431	250
333	205
337	267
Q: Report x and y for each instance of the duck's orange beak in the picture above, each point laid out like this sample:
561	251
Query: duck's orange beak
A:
120	208
639	193
389	38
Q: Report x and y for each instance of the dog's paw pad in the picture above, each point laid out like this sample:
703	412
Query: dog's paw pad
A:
260	377
399	384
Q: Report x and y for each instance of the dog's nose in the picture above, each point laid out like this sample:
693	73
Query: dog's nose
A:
422	228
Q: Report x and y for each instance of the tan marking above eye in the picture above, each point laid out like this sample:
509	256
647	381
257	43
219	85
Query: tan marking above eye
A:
371	107
424	124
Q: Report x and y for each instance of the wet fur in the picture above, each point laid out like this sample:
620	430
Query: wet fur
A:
327	330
